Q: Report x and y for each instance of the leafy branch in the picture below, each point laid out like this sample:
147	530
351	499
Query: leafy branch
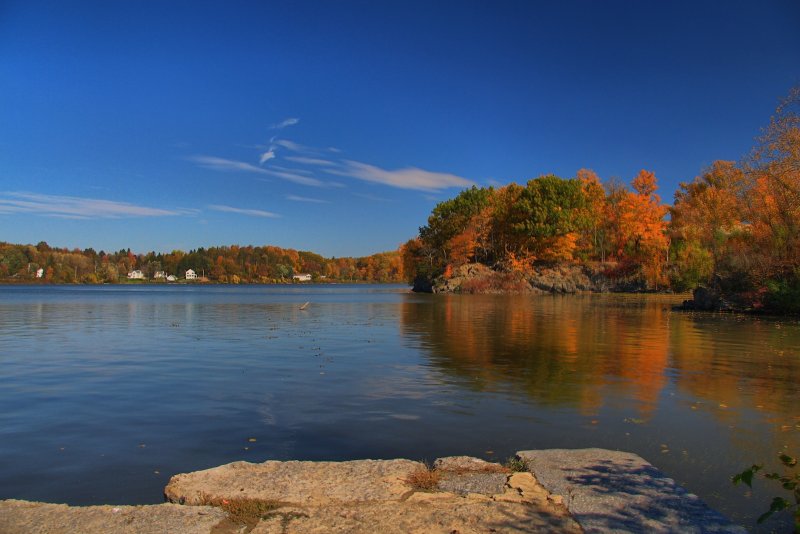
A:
790	483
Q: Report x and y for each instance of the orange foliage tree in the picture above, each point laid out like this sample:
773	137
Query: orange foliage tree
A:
642	229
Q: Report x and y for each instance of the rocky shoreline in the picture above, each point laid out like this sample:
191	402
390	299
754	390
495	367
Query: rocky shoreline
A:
555	278
558	490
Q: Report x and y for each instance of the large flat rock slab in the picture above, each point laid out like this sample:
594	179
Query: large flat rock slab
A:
298	483
24	517
466	495
436	514
612	491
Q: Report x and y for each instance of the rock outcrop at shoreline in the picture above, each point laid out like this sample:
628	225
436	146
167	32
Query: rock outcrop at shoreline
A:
558	278
714	299
578	491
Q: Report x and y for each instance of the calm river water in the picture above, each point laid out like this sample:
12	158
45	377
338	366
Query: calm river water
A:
108	391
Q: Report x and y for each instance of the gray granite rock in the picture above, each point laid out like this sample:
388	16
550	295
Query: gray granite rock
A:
611	491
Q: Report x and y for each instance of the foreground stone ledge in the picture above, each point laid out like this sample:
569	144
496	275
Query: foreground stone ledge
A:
23	517
570	491
613	491
425	514
297	483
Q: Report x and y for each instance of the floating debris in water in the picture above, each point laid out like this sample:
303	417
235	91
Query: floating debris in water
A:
304	306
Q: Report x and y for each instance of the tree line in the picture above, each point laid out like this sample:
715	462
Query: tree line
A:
225	264
735	227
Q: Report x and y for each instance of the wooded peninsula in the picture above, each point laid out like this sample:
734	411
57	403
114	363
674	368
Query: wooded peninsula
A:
734	230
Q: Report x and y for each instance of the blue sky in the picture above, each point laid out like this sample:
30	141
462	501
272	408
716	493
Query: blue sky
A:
337	126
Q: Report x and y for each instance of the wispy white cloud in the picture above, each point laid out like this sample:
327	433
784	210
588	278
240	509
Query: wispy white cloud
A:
79	208
374	198
289	169
228	165
266	156
311	161
291	121
297	198
408	178
296	178
222	164
243	211
291	145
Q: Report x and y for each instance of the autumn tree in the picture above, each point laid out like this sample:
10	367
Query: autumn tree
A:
594	237
641	229
773	197
707	216
552	211
450	218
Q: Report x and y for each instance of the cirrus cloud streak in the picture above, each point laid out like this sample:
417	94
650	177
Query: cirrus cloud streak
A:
229	165
69	207
244	211
406	178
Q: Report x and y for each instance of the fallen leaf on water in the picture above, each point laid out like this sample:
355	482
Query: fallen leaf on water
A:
251	440
723	405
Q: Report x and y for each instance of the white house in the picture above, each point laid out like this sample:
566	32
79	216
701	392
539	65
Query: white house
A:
160	274
190	274
136	275
171	278
39	273
302	277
